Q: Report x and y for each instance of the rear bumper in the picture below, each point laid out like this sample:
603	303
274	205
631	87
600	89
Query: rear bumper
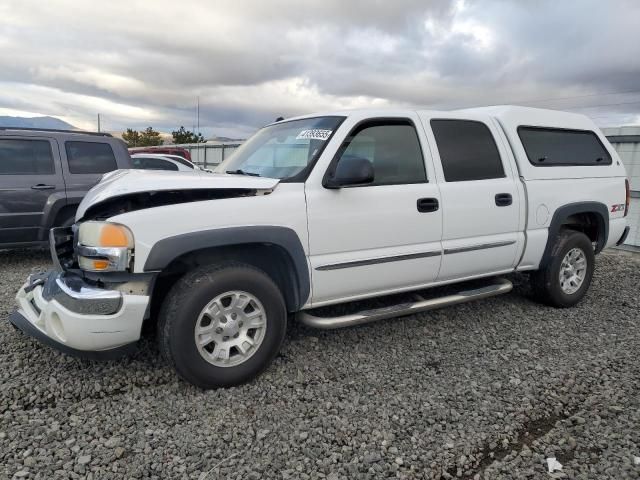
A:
62	311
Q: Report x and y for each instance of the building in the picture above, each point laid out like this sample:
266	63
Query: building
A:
626	141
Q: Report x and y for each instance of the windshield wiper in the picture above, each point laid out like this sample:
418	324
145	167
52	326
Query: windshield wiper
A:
242	172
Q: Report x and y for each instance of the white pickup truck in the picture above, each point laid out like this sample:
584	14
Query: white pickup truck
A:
327	209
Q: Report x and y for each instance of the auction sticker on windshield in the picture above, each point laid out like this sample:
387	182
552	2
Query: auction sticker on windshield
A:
314	134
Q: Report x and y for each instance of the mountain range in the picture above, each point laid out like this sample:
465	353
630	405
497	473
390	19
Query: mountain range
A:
35	122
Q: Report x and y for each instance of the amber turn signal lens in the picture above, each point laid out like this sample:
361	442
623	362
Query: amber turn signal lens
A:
100	264
113	236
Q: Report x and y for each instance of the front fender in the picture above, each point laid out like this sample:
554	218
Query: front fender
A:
168	249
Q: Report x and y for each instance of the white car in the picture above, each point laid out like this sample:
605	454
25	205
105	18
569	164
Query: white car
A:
328	209
149	161
186	162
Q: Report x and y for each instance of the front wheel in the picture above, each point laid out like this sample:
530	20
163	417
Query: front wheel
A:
565	279
222	325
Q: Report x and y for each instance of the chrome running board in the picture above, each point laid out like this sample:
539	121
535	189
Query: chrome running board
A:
497	287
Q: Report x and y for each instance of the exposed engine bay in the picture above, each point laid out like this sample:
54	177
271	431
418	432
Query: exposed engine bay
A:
143	200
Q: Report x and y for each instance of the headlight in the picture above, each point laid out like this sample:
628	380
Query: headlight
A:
104	247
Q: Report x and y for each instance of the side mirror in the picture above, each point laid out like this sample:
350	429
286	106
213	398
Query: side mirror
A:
351	171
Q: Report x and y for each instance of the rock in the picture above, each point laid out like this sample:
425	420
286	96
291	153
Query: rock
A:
370	458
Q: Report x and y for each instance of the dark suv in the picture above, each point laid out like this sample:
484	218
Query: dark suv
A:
43	176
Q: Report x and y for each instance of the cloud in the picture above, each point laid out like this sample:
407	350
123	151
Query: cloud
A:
141	63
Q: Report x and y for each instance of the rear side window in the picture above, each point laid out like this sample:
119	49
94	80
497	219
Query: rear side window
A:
548	147
90	157
150	163
467	150
26	157
392	146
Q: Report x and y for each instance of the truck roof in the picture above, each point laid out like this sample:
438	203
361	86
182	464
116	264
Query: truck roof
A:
506	114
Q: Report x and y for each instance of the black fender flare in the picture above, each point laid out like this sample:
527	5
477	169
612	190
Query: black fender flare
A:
170	248
55	203
564	212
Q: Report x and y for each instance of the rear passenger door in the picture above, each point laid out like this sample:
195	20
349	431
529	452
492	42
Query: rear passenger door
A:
30	174
481	231
85	163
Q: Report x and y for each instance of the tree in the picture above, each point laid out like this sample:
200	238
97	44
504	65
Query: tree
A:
146	138
149	137
185	136
131	138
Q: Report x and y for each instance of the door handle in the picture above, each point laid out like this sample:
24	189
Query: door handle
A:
427	205
504	199
42	186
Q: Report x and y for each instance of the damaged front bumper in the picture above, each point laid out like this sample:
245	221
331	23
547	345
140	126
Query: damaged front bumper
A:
64	311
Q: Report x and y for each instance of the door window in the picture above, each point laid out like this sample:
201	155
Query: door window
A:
467	150
392	147
26	157
90	157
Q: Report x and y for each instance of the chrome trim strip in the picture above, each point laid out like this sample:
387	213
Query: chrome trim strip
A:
472	248
74	294
87	300
375	261
499	286
118	257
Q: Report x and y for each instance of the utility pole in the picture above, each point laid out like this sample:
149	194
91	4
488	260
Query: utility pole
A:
198	113
98	122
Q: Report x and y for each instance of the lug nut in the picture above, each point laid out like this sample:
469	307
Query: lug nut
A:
236	335
218	330
234	316
240	324
225	338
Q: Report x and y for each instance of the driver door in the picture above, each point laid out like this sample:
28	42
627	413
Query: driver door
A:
381	237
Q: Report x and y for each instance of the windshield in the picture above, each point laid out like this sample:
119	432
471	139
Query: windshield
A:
282	150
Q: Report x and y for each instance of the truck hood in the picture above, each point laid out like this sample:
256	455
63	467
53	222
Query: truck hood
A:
122	183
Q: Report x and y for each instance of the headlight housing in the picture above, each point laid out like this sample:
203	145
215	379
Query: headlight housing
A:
104	247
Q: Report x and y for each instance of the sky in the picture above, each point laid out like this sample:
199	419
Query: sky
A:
144	63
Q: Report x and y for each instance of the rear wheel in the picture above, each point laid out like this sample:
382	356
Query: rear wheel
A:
566	277
222	325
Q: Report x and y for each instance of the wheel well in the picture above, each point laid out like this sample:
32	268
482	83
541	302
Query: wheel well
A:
274	260
63	214
589	223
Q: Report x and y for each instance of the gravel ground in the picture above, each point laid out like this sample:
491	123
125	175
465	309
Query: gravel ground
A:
486	390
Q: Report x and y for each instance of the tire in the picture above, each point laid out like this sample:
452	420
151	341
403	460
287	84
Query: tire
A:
212	286
546	283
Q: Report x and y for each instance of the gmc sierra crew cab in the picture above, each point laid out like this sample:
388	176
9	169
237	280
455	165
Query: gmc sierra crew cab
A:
328	209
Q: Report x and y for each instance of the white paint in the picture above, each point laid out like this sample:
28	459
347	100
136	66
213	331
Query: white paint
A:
361	223
542	215
84	332
122	182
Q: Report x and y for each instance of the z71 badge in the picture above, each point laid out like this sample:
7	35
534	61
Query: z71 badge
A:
617	208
